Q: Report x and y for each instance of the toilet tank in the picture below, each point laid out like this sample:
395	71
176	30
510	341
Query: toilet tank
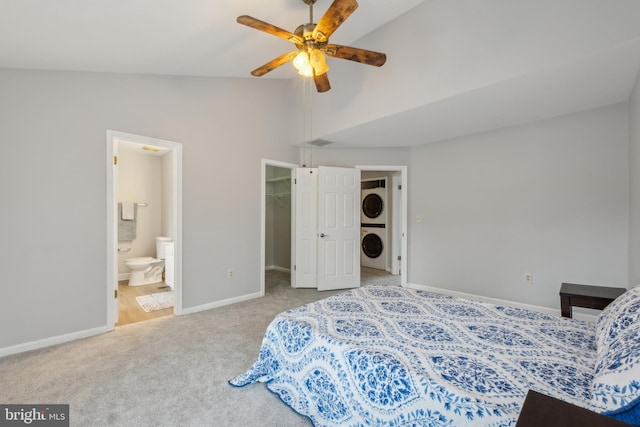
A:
161	246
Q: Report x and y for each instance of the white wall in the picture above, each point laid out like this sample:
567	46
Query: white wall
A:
53	186
634	190
140	181
549	198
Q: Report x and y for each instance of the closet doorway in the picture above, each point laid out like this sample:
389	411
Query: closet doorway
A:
276	256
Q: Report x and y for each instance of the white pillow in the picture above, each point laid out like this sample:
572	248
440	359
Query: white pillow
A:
609	324
616	381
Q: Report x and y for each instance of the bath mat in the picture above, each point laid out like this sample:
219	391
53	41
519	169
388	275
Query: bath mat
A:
154	302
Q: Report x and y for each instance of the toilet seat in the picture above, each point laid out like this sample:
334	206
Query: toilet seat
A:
142	260
139	259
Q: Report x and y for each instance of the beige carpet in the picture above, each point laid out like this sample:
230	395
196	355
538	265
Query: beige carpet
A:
171	371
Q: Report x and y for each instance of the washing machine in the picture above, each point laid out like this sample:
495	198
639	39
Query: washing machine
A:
373	247
373	205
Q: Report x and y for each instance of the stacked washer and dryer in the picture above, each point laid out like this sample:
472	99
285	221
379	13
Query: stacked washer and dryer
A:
373	223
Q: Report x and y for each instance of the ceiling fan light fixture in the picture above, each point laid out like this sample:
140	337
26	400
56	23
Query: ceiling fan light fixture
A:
302	64
318	62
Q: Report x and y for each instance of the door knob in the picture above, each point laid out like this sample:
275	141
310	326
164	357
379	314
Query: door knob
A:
324	235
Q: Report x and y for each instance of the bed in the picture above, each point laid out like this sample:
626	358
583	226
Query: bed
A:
381	355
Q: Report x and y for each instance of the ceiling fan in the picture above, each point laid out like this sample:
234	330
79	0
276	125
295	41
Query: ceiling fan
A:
312	41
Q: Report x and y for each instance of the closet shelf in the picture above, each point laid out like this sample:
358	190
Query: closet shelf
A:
279	178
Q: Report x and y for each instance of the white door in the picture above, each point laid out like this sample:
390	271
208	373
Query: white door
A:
306	225
338	228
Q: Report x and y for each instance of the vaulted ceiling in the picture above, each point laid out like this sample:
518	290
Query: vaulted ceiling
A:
454	67
185	38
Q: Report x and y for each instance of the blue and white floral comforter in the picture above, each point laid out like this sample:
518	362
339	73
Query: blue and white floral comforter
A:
395	356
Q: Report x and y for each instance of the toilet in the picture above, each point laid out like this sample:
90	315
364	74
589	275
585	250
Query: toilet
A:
147	270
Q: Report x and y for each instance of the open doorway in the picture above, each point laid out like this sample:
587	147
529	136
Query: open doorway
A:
383	225
276	207
144	228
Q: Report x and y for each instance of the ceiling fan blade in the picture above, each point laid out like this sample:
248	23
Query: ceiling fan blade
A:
275	63
337	13
268	28
363	56
322	82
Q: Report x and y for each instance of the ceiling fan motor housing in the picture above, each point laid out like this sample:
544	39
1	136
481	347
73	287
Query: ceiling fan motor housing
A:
305	31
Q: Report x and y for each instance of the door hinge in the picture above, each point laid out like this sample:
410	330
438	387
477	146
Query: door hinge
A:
115	160
294	268
399	187
399	258
295	181
115	293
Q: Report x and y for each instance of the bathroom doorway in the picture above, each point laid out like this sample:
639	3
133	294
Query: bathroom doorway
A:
144	175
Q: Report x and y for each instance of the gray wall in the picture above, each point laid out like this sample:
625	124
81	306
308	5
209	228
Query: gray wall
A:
634	193
548	198
345	157
53	186
551	198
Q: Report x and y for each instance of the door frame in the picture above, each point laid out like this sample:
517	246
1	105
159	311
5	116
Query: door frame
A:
263	216
404	272
112	139
403	217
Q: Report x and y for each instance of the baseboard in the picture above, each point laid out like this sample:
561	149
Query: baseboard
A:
48	342
275	267
497	301
221	303
123	276
61	339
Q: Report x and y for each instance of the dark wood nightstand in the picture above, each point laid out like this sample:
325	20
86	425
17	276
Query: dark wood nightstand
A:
540	410
587	296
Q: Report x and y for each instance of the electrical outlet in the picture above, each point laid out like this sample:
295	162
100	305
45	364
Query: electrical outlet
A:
527	278
230	274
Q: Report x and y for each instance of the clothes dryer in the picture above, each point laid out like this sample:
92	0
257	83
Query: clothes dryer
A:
373	207
373	250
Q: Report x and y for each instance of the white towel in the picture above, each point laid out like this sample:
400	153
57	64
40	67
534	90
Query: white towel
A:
127	211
